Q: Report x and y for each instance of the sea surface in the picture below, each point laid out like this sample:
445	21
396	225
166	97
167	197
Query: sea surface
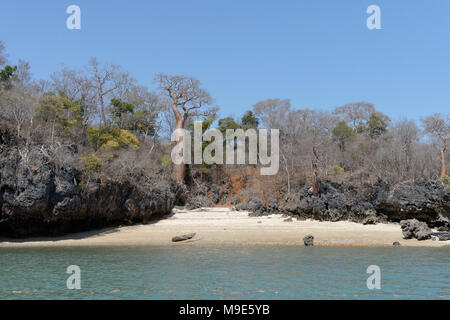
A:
250	272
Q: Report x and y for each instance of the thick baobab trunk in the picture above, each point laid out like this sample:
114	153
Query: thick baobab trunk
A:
443	164
187	100
179	170
178	173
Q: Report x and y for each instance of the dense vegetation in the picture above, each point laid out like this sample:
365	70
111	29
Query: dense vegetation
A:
120	127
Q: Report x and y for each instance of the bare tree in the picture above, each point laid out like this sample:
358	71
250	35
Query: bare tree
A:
17	101
108	81
273	112
168	120
41	87
3	59
406	134
439	128
355	113
147	110
276	114
320	128
77	86
66	82
187	100
19	107
22	75
305	138
290	139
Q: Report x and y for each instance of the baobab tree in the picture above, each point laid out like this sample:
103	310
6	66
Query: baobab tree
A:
439	128
187	100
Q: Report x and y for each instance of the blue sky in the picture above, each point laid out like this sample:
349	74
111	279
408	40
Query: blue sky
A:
318	53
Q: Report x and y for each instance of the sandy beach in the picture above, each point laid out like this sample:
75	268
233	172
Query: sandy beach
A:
221	226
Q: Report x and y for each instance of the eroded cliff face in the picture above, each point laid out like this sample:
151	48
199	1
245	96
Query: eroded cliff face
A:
427	201
42	196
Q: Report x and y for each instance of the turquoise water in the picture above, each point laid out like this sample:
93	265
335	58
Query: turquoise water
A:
225	273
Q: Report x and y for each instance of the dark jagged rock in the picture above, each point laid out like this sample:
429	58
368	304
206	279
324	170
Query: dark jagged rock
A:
207	194
255	206
371	217
198	201
426	201
197	197
308	240
42	196
413	228
273	205
214	193
183	237
444	236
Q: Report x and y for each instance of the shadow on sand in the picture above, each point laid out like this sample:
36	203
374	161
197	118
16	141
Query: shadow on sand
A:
83	234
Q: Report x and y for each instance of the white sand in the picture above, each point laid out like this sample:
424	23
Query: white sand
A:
221	226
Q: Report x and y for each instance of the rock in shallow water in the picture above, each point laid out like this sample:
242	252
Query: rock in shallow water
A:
184	237
308	240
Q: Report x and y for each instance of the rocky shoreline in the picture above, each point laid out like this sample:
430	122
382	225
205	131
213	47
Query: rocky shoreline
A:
44	196
221	226
426	201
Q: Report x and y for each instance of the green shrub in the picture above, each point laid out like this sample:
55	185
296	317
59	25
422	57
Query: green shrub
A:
92	163
446	181
342	133
112	138
82	185
166	161
63	112
205	170
337	171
